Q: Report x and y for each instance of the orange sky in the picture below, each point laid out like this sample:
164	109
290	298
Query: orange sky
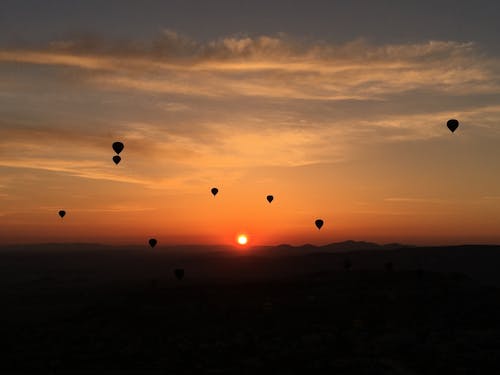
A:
351	133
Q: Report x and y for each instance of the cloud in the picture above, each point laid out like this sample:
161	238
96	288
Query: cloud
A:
412	200
81	168
193	111
271	67
108	208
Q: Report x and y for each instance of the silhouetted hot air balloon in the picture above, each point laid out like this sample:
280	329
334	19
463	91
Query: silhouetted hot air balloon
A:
179	273
62	213
214	191
118	147
152	242
319	223
117	159
269	198
452	124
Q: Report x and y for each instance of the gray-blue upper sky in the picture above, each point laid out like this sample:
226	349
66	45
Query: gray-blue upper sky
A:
32	21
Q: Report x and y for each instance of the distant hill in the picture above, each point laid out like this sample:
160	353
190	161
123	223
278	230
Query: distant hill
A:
335	247
360	245
102	262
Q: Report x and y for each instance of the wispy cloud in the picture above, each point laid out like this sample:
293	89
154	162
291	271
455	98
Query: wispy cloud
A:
79	168
320	125
274	67
189	110
413	200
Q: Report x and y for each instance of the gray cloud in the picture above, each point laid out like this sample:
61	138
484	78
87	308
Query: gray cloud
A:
272	66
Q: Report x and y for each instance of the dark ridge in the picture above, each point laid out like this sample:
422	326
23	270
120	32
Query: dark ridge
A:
395	245
57	246
349	245
130	312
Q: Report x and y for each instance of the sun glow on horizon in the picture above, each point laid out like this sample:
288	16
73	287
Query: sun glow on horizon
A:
242	239
226	139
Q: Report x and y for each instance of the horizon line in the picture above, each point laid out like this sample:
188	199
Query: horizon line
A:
215	245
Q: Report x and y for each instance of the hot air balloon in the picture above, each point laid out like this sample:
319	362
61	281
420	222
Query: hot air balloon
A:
269	198
452	124
319	223
179	273
118	147
62	213
214	191
117	159
152	242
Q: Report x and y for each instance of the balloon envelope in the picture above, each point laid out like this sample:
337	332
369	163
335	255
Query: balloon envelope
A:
269	198
152	242
117	159
118	147
179	273
319	223
62	213
452	124
214	191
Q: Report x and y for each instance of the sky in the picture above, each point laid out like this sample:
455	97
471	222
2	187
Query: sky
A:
338	109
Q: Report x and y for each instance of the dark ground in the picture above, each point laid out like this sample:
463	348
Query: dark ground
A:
99	310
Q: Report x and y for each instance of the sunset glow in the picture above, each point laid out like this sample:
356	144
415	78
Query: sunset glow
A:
349	129
306	186
242	239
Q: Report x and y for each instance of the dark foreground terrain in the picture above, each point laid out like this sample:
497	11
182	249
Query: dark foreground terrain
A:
98	310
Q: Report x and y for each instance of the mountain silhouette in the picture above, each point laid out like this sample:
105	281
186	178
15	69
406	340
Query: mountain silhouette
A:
349	245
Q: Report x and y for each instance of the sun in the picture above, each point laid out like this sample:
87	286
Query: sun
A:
242	239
